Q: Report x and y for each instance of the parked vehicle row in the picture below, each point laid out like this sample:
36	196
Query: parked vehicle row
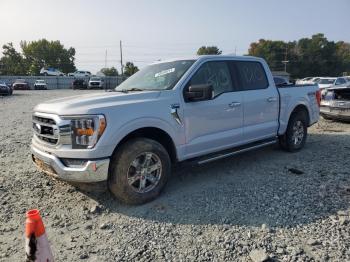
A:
94	82
79	83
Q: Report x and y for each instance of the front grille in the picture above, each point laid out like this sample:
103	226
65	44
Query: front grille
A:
45	129
94	83
44	120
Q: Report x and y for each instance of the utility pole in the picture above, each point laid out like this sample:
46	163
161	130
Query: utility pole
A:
121	57
106	59
235	50
285	60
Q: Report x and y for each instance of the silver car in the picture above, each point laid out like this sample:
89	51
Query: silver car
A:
336	103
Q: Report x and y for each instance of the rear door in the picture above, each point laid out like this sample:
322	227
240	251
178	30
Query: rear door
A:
260	101
217	123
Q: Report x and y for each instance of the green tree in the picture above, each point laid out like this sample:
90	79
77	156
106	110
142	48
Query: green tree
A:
12	62
209	50
343	54
315	56
272	51
130	69
44	53
112	71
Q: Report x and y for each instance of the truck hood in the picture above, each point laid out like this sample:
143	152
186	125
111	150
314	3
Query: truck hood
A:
93	103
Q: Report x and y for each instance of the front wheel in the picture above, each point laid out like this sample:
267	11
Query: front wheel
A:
139	171
295	137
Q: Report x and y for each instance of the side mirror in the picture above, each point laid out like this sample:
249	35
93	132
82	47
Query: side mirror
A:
197	93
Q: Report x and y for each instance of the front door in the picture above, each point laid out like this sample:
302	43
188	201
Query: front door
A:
217	123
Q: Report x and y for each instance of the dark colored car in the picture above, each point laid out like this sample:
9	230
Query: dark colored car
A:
5	89
79	84
20	84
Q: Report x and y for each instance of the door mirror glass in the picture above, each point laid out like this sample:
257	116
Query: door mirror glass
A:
197	93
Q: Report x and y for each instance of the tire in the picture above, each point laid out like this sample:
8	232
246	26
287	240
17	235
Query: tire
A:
295	137
45	74
128	175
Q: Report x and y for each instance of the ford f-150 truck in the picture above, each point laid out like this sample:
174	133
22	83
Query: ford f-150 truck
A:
186	110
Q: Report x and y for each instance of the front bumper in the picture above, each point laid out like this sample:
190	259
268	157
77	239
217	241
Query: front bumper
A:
91	171
95	85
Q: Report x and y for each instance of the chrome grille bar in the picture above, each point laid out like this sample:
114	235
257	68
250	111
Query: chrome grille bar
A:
51	129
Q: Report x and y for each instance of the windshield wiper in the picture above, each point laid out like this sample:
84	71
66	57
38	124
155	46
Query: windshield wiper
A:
132	89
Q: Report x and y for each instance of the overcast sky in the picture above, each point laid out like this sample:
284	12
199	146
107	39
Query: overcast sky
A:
160	29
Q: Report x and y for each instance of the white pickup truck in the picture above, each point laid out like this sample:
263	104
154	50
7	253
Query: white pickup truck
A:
197	109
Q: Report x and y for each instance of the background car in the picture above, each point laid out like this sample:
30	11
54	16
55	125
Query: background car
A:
20	84
326	82
5	89
335	103
281	81
51	72
80	73
40	85
308	81
96	82
79	84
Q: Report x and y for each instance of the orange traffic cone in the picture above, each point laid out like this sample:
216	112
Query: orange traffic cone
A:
37	245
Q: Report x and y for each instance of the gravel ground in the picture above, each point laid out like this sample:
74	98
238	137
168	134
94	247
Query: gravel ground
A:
262	205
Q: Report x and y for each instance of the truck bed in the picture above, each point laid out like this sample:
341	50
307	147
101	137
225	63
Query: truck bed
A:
291	95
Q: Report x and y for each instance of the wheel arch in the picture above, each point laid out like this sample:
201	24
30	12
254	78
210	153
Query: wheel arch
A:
154	133
301	108
285	117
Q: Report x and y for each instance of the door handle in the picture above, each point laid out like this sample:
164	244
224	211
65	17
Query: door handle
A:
234	104
272	99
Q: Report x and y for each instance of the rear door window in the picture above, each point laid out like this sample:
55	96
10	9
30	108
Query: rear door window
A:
250	75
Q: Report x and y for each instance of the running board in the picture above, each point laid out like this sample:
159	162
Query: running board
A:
232	152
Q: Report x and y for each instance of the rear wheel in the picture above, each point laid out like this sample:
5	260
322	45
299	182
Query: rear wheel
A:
295	137
139	171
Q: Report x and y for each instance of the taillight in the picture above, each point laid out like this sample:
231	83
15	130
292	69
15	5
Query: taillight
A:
318	97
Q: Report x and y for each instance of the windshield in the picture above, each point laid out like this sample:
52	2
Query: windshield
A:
40	81
20	81
326	81
95	79
160	76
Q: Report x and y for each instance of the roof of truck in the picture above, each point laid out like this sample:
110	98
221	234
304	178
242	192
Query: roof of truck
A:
205	57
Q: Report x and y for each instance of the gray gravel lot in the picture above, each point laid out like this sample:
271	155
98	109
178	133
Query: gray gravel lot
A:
246	208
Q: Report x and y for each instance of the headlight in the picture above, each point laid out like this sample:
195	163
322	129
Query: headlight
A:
87	130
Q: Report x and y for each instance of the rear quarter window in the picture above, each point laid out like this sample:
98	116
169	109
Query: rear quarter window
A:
251	75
